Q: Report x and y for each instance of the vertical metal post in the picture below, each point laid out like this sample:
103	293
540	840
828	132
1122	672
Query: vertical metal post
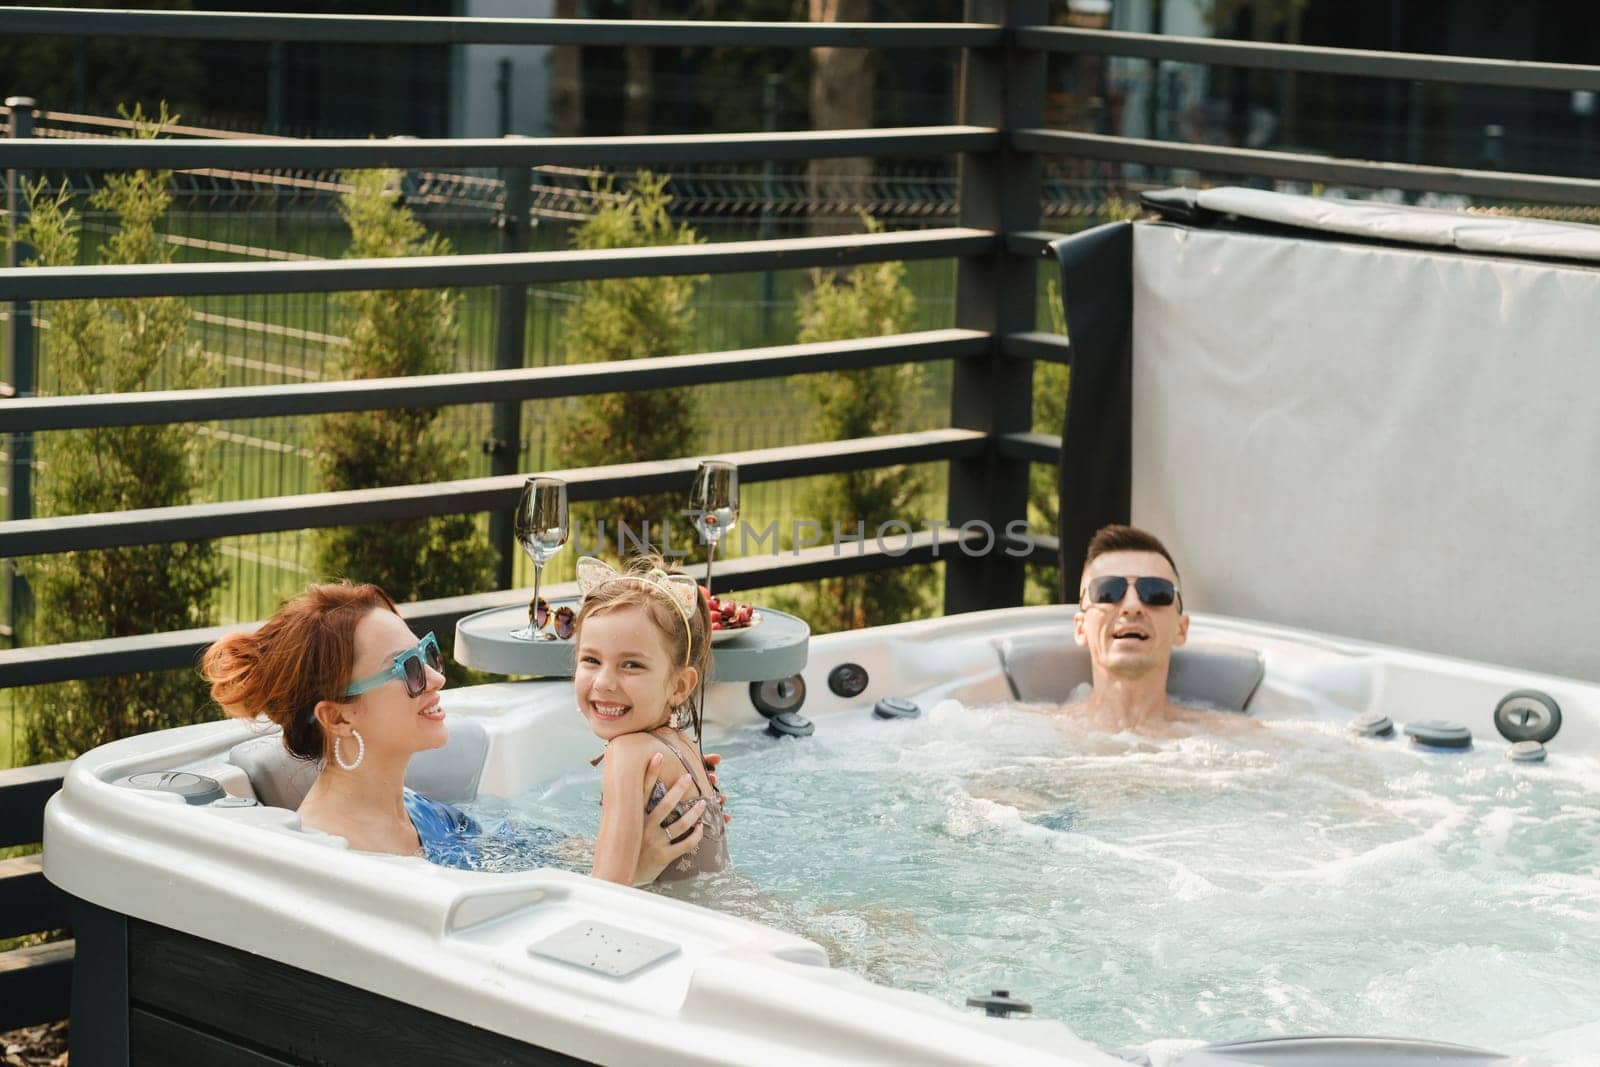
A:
502	89
769	229
1397	93
99	985
1152	99
20	373
80	77
275	91
1414	104
510	336
1002	87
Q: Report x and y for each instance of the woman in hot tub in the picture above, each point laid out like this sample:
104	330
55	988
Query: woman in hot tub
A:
349	683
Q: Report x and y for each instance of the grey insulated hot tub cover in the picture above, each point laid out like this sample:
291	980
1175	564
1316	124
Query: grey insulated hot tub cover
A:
1360	418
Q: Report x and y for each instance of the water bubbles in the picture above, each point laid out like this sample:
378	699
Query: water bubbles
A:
1161	893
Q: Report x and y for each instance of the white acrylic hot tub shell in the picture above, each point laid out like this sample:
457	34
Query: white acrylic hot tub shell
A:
455	942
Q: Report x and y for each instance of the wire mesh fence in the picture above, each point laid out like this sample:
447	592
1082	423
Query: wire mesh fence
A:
230	216
223	215
220	215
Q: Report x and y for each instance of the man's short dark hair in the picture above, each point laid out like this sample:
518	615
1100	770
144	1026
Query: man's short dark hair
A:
1120	538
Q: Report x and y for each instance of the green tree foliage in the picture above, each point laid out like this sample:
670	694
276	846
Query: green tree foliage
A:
632	318
1049	416
395	333
871	301
114	346
90	74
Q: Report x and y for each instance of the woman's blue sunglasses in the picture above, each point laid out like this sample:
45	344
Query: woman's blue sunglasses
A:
407	665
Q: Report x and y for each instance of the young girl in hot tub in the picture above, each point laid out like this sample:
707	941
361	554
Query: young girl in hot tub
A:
353	689
643	647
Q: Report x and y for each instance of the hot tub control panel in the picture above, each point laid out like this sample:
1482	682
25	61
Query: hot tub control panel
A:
191	788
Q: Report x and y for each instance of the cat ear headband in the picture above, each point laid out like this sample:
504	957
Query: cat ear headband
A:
680	590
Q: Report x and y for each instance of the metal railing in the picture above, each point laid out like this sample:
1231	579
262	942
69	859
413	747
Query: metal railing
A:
995	244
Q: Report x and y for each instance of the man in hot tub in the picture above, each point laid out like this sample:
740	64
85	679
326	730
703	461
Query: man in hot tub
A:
1130	618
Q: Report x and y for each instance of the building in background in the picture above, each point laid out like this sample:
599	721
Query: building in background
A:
1441	124
501	89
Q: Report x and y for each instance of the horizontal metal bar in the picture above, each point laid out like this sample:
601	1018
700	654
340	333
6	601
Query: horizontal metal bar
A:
41	153
827	561
171	650
1036	345
35	414
1296	166
69	533
23	793
28	903
1038	549
35	984
527	268
1033	447
1412	66
1033	243
393	29
180	649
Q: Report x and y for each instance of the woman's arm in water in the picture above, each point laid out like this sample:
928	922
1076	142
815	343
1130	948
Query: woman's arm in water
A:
632	848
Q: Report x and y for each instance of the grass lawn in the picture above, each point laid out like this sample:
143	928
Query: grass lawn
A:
10	742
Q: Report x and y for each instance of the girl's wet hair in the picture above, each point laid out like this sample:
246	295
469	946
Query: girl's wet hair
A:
303	654
688	648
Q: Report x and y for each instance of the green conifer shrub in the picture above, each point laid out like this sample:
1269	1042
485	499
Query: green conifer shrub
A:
114	346
632	318
396	333
1049	416
870	301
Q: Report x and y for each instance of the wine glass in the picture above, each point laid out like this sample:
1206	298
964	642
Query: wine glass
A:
541	529
714	501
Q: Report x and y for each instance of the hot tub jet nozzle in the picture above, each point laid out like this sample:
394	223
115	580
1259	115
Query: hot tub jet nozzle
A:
1000	1004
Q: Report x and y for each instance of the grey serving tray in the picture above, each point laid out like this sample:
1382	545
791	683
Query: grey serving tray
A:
775	649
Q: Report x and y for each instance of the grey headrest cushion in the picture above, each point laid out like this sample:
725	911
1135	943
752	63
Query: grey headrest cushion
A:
450	773
279	779
1046	668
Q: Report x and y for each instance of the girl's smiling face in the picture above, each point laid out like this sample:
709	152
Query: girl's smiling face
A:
626	679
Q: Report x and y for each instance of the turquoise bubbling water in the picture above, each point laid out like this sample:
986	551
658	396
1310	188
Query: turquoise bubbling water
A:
1160	894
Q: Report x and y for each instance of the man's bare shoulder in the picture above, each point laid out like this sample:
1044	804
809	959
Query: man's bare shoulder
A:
1047	709
1215	720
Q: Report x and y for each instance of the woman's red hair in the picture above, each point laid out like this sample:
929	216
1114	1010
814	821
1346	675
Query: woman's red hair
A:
301	655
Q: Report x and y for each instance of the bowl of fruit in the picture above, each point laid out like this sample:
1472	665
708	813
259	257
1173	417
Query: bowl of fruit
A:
729	618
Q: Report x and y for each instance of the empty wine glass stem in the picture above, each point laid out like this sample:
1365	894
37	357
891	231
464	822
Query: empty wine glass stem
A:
533	605
711	553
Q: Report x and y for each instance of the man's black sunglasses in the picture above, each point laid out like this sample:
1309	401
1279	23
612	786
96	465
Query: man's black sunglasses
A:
1110	589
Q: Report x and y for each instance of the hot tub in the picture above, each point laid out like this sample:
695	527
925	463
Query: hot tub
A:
212	924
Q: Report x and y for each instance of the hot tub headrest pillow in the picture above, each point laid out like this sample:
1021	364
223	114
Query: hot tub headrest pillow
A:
1046	668
449	774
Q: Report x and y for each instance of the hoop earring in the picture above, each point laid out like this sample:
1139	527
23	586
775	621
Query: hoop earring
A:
680	717
361	752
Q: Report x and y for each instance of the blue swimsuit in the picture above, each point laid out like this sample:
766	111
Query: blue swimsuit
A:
448	835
